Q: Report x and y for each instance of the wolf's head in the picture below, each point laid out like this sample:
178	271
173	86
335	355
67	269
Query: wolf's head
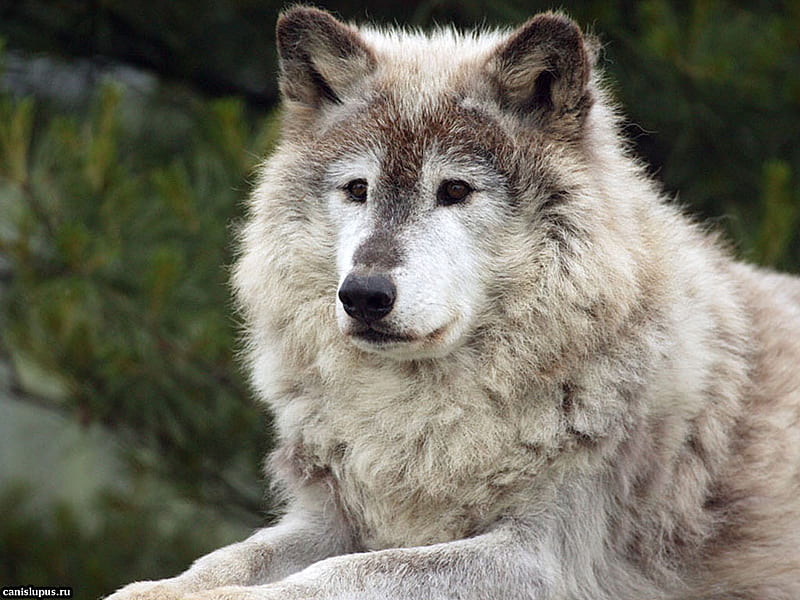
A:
421	176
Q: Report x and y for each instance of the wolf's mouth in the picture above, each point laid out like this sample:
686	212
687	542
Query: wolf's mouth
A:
375	336
378	337
403	346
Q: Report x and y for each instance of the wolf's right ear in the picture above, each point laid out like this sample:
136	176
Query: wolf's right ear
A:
542	70
320	57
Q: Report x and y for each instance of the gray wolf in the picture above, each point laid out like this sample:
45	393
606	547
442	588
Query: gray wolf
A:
502	364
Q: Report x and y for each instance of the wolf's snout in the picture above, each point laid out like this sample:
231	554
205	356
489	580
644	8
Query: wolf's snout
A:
367	298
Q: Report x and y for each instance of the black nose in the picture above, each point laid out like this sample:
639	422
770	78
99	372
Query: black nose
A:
367	298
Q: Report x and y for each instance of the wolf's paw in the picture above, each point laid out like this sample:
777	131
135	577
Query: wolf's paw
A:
166	589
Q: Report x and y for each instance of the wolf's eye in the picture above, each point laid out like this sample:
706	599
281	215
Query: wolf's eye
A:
452	192
357	190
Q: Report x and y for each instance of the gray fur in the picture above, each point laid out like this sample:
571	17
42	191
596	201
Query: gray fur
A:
591	399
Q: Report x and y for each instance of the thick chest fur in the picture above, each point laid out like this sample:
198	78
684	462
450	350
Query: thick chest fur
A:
411	469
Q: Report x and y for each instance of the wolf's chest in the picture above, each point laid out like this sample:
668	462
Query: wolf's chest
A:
415	483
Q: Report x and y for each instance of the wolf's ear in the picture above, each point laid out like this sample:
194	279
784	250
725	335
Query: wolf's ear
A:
320	57
542	70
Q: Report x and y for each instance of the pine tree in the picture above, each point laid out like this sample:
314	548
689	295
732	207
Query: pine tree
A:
117	245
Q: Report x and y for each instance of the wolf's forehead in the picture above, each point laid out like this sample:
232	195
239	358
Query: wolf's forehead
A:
395	144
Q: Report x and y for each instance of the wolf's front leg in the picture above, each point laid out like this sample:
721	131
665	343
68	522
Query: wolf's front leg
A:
505	564
270	554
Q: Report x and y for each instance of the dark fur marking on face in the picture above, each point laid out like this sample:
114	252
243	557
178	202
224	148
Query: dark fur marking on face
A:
394	193
379	251
460	133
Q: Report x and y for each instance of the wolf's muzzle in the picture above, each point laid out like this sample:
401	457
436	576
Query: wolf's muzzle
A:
367	298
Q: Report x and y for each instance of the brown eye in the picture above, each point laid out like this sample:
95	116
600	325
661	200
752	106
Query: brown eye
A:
452	192
357	190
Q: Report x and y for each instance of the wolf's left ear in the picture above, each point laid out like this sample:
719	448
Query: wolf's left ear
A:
542	70
320	57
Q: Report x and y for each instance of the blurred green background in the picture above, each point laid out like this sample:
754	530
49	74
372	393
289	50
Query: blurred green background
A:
129	132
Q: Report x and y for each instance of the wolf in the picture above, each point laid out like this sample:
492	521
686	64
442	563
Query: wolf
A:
502	364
